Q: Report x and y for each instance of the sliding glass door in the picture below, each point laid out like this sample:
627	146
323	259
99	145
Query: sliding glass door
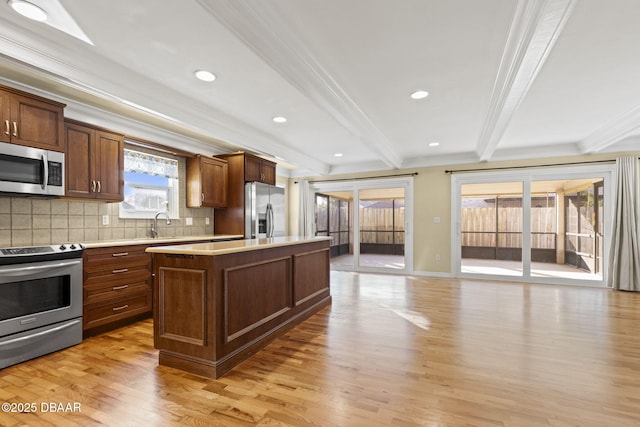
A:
382	228
334	219
492	226
369	223
545	226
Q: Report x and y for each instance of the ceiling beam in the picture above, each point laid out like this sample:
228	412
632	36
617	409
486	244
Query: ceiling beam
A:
259	25
612	132
534	30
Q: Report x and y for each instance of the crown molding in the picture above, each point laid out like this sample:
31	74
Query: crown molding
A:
535	28
260	27
614	131
118	86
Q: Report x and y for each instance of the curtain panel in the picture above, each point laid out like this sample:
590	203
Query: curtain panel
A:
306	218
624	258
149	164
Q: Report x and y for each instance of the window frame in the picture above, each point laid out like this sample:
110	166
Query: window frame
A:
172	189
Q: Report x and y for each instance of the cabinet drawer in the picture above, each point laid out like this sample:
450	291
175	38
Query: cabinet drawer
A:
108	311
106	291
118	275
143	260
113	252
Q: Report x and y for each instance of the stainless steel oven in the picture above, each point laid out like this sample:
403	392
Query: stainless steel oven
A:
30	170
40	301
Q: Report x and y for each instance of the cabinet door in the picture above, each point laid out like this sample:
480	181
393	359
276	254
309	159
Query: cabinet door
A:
79	160
35	123
268	172
252	168
214	182
110	166
5	119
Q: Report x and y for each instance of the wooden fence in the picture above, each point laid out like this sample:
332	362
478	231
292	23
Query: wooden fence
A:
482	227
378	225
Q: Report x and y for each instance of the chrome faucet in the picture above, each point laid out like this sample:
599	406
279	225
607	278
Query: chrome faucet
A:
154	224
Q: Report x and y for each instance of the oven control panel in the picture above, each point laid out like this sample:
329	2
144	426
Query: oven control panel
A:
40	253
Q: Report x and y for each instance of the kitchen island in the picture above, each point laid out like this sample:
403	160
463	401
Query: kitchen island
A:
217	303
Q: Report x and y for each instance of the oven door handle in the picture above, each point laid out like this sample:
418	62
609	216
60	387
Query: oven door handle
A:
25	271
39	334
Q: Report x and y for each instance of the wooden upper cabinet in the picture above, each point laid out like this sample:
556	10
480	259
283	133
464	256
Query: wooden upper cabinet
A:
95	162
110	166
5	116
257	169
80	161
206	182
31	120
243	168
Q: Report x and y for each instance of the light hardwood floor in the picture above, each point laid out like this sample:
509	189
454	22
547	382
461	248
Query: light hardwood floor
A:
390	351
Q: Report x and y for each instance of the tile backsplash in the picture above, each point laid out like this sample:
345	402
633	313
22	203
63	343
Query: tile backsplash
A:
32	221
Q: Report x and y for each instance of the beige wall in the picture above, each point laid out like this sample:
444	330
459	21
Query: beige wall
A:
432	198
26	221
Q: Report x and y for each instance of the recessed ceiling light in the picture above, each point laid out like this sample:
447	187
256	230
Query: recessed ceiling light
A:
205	75
419	94
279	119
434	144
28	10
338	155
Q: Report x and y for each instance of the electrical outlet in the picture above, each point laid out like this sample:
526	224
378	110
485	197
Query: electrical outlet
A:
105	219
438	257
206	221
436	220
189	221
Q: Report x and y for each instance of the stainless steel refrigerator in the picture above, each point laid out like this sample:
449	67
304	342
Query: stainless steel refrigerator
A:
264	214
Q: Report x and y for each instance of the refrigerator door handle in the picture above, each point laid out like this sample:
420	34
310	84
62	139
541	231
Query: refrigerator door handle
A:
273	222
269	218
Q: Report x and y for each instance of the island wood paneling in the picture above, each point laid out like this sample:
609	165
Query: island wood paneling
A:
270	280
245	301
182	311
311	271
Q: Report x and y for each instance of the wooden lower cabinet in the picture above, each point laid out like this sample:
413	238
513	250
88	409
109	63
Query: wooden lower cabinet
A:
212	312
117	287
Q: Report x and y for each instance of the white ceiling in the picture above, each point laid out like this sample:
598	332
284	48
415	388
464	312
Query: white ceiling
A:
507	79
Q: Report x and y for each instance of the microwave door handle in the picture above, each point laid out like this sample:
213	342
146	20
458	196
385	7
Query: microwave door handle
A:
45	175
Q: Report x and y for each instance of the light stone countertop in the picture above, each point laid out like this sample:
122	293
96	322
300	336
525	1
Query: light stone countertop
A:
150	241
233	246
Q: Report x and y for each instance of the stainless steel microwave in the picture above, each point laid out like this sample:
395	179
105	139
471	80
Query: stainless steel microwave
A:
28	170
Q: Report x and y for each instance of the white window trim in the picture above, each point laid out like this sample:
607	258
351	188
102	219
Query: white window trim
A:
174	195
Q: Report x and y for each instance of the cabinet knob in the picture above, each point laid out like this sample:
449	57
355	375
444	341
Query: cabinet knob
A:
99	187
7	129
93	186
202	197
15	129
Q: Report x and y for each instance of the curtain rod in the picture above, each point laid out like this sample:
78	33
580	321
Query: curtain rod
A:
528	167
364	177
